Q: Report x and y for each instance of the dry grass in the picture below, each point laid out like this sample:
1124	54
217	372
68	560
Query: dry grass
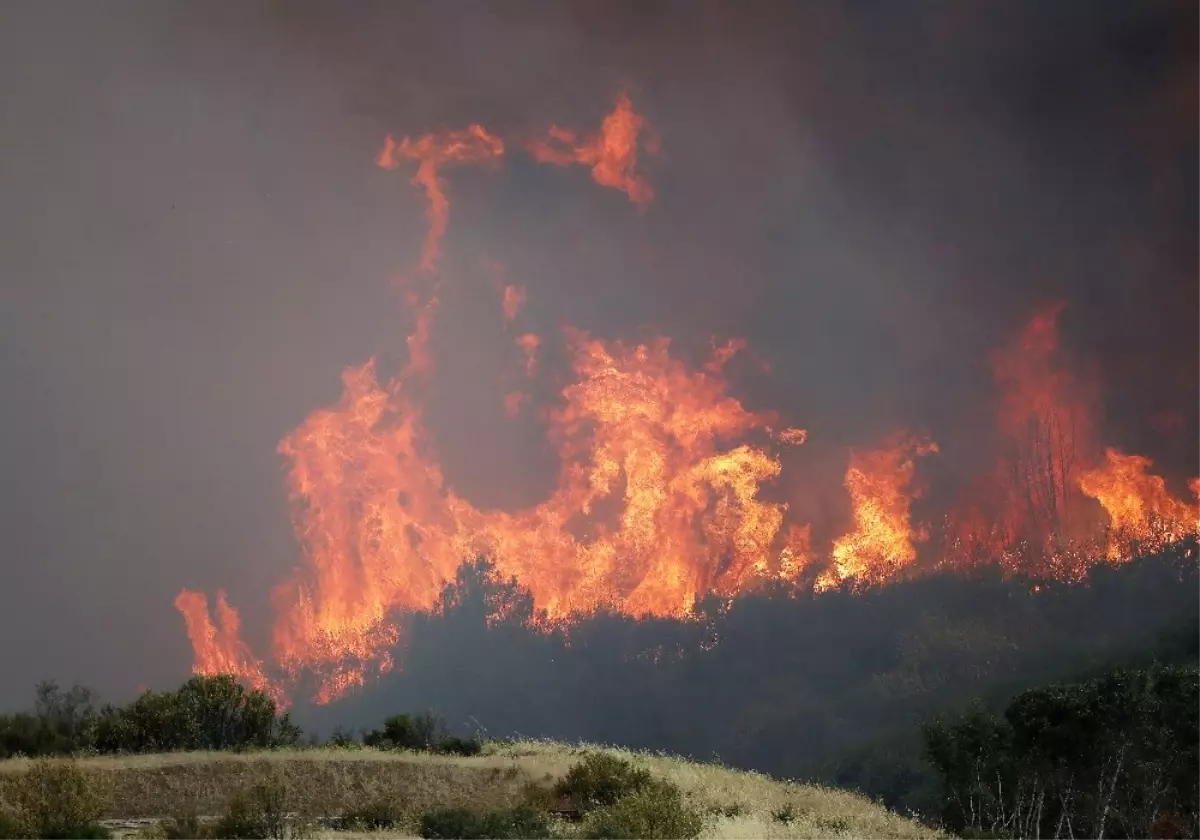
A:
326	782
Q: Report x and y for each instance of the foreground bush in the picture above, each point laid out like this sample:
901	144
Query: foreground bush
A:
57	800
601	780
656	811
520	823
259	813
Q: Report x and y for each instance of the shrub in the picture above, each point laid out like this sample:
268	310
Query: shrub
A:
186	826
422	732
456	745
376	815
398	733
446	823
12	826
786	815
343	740
57	799
91	831
834	825
656	811
469	824
258	814
601	780
730	811
541	797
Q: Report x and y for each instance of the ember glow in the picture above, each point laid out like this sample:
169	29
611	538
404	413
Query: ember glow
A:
663	494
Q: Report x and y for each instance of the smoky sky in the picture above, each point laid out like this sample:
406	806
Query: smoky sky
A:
195	242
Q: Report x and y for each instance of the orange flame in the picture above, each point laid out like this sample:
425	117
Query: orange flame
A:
612	154
1046	421
670	513
1142	513
513	301
1028	511
432	151
880	483
657	499
218	647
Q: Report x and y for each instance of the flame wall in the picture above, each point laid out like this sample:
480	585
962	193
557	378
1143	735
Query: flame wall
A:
661	496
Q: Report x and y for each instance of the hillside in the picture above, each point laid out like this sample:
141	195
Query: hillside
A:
324	783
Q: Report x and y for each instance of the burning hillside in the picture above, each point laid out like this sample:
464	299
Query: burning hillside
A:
659	498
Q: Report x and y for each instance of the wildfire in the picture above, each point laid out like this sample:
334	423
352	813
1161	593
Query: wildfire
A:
513	301
612	154
433	151
880	483
1141	511
1027	511
218	647
658	500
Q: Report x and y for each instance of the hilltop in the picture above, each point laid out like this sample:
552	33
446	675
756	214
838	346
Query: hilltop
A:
325	783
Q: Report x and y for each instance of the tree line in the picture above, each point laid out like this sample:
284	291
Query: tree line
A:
205	713
1115	756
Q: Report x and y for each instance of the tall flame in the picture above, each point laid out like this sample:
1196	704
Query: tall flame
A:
218	647
1028	511
880	484
433	151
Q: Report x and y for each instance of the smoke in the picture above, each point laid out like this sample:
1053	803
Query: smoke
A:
197	242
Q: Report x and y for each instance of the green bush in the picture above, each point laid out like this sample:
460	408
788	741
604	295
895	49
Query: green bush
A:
91	831
57	799
656	811
601	780
12	827
186	826
447	823
422	731
260	814
520	823
425	732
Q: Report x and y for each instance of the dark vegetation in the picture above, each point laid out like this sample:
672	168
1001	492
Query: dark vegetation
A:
1115	756
205	713
833	687
423	732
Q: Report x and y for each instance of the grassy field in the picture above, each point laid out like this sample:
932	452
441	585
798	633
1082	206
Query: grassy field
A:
323	783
